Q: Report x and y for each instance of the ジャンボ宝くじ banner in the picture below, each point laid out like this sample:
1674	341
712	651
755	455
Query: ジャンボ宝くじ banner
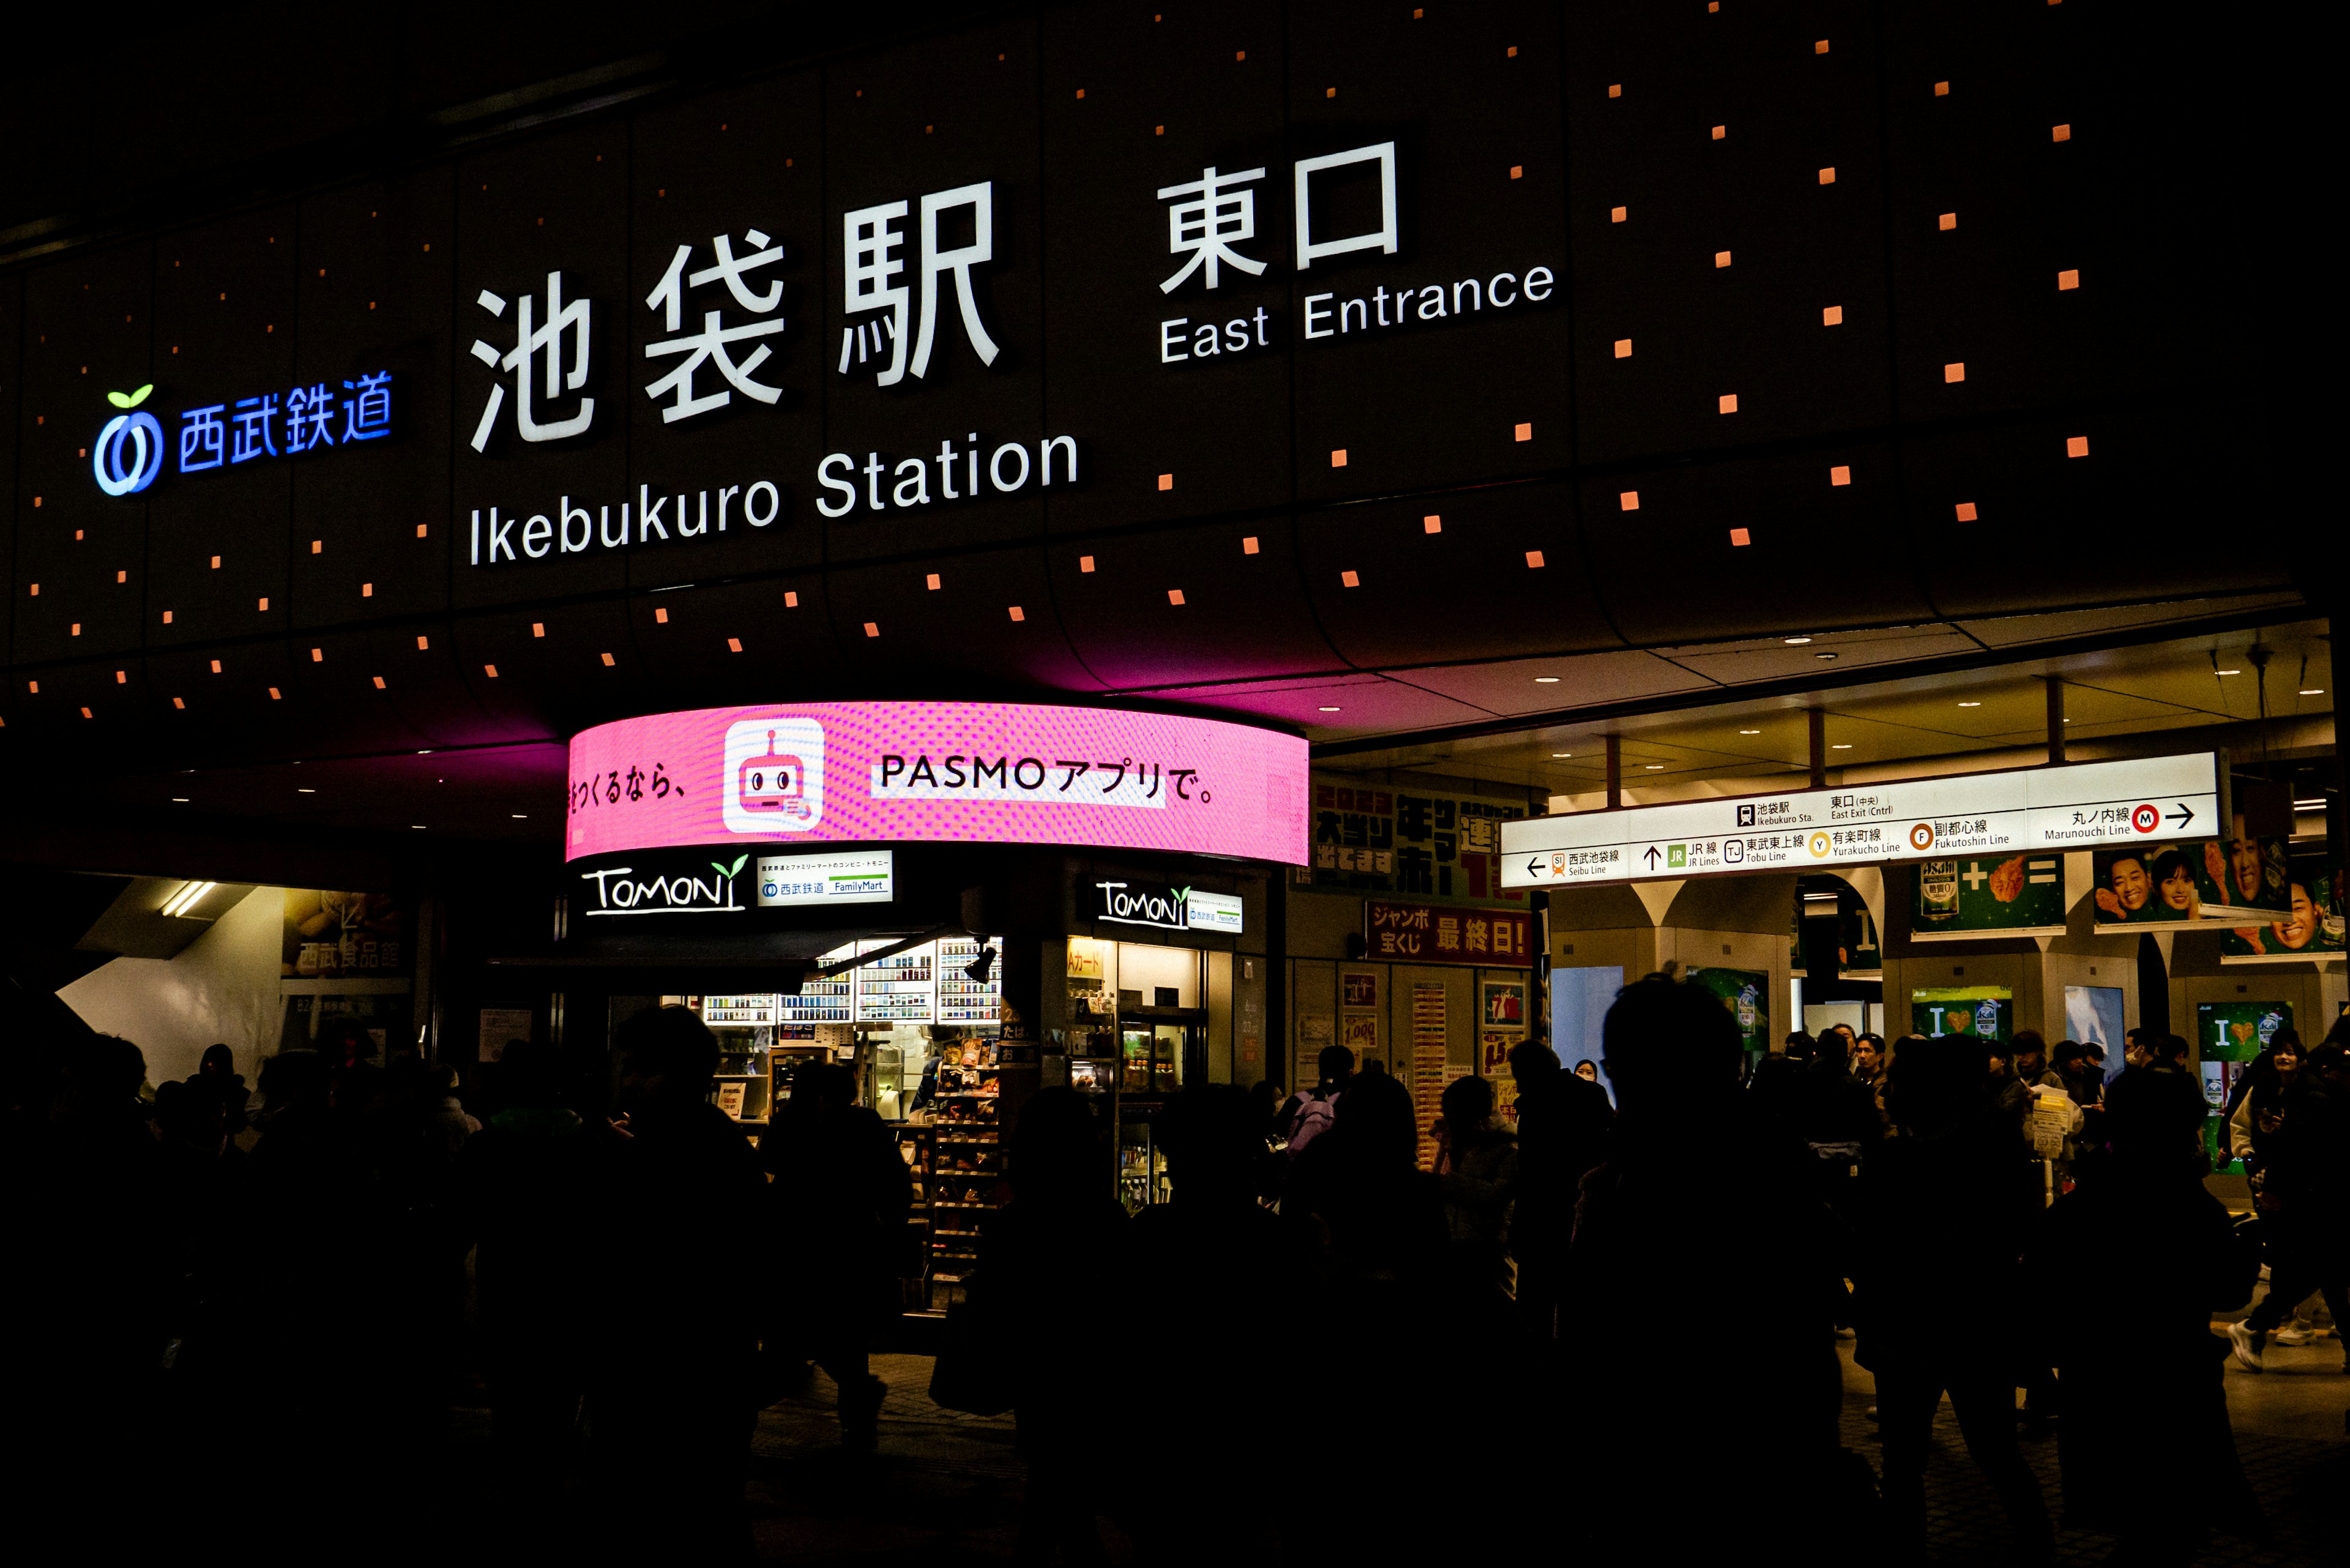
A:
851	772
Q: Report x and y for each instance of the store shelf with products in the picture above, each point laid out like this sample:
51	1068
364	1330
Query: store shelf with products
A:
746	1031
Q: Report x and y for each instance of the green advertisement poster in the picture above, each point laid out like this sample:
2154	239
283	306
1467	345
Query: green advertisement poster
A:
2016	895
1747	993
2235	1031
2311	927
2234	880
1984	1011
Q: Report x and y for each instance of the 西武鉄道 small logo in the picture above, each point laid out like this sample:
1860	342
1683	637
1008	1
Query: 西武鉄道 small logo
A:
129	452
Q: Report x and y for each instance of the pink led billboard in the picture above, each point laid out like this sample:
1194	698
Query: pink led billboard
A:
864	773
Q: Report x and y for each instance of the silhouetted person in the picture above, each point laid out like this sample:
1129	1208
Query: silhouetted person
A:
525	1180
1562	1122
93	1272
1943	1213
1049	1265
1702	1199
216	1073
2140	1250
1310	1112
1215	1261
676	1323
2300	1128
841	1194
1359	1205
1477	1175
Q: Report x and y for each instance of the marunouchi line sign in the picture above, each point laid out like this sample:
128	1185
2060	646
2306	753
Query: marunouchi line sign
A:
879	772
2084	806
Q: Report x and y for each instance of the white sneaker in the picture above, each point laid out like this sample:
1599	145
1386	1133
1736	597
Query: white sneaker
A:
2246	1343
2294	1336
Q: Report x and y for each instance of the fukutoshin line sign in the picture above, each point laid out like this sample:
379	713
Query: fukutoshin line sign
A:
2082	806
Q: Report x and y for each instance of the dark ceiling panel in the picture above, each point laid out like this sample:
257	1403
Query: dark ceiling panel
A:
1728	227
86	333
2008	521
715	643
741	162
1473	575
1166	96
1217	602
377	293
235	702
1666	546
559	670
953	624
2016	230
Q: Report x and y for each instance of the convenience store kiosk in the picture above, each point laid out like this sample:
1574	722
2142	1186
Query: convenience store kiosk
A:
963	901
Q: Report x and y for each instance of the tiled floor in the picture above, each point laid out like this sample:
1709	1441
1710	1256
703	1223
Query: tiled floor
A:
945	1489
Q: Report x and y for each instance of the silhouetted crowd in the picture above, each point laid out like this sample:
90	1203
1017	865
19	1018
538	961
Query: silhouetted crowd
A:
1602	1321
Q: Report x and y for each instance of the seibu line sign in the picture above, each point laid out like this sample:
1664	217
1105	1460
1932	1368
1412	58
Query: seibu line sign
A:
2084	806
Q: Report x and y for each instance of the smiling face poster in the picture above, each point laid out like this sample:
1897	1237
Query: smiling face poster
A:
2312	926
2233	881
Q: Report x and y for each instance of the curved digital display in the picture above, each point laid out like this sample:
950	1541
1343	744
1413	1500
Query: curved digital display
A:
863	773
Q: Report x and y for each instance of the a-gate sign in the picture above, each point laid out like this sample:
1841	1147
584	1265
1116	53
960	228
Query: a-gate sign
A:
878	773
2080	806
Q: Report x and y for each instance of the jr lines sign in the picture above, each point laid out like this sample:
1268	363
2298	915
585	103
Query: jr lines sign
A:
2083	806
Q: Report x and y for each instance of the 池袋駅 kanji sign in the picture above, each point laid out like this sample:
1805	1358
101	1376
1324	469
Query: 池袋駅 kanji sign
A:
913	274
133	450
2027	810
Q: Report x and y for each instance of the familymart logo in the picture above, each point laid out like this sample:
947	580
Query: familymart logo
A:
131	451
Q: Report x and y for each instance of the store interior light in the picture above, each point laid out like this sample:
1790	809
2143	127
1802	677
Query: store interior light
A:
2308	805
1841	746
2227	672
1798	641
2312	691
187	897
1969	704
1655	767
1749	732
1562	753
1546	680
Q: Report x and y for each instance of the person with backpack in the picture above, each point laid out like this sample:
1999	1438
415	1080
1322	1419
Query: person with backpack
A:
1310	1112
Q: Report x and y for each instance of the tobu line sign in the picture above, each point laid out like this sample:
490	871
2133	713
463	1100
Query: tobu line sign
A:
2081	806
857	772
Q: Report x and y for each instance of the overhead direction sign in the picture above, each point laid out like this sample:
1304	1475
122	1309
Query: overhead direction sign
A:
2084	805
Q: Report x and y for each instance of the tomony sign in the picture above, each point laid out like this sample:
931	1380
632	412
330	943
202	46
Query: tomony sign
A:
1169	909
2050	809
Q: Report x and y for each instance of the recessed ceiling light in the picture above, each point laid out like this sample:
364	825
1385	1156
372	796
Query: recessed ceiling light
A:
417	825
1654	767
1546	680
1798	641
522	816
1562	753
1823	656
301	791
1969	704
2227	672
424	754
1841	746
1749	732
1329	710
2312	691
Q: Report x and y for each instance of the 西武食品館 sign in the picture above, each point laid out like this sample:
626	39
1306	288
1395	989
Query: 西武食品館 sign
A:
2027	811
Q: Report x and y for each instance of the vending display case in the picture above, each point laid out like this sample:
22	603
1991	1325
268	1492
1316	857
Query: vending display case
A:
967	1166
745	1030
